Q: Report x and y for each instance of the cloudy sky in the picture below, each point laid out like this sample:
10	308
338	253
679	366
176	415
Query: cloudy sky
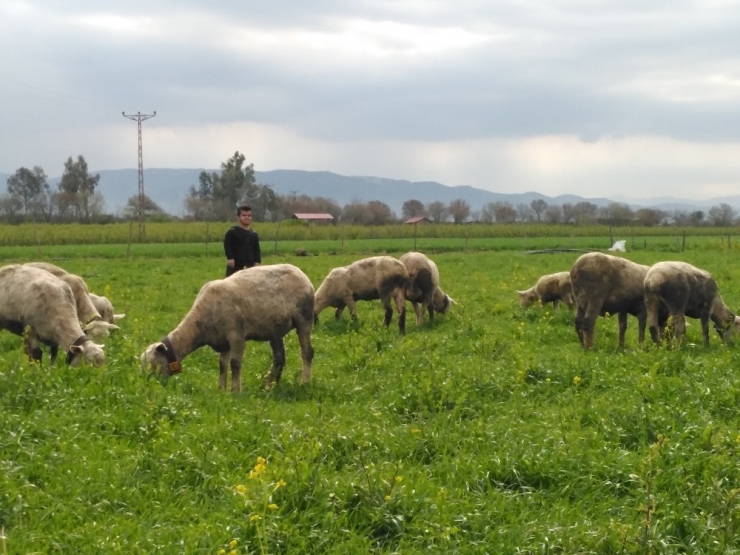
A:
596	98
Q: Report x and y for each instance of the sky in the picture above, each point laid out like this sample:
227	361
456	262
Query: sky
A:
594	98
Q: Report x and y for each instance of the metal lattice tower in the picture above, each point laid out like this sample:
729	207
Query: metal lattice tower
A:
138	118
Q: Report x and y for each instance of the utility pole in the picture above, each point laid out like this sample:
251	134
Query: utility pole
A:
138	118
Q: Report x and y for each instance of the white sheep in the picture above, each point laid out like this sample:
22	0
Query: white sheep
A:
551	288
105	308
262	303
685	290
607	284
35	299
377	277
423	290
87	313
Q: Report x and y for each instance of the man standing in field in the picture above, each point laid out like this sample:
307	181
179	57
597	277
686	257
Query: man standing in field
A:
241	243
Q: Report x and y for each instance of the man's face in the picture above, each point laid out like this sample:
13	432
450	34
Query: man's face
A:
245	218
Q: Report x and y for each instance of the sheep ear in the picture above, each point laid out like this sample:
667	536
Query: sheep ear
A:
75	349
452	301
160	347
520	292
111	327
117	317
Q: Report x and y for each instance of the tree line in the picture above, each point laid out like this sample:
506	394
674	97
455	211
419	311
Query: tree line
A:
30	198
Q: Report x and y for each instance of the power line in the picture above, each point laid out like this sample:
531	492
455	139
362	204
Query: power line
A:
138	118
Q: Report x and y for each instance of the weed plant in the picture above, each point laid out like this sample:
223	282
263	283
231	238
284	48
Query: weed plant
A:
489	431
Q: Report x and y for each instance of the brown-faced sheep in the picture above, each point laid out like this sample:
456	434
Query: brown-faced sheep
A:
377	277
87	313
423	289
105	308
262	303
686	290
551	288
607	284
34	298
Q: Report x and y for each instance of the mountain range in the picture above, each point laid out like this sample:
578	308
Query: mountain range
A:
169	188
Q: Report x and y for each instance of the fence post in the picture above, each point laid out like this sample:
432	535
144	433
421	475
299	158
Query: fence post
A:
208	236
277	234
38	241
683	243
729	245
128	245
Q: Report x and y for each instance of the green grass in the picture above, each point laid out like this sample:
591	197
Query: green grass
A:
490	431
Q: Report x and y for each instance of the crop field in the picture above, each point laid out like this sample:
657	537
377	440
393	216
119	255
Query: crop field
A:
488	431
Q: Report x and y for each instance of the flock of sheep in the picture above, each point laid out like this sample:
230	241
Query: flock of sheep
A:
600	284
48	305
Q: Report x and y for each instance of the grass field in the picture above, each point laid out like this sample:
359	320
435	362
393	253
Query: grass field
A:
490	431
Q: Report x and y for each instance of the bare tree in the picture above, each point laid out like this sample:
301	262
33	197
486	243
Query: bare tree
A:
722	215
412	208
504	213
437	211
524	212
553	214
459	209
538	206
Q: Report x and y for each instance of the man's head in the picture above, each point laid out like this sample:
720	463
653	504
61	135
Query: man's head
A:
244	214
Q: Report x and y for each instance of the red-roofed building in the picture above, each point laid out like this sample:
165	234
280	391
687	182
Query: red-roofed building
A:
418	220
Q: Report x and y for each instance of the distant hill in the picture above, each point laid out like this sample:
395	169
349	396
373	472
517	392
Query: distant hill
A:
169	188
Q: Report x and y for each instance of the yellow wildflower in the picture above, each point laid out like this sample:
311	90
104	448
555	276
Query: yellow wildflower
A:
272	506
415	431
261	460
255	518
399	479
233	543
280	484
221	552
241	489
576	380
233	552
387	498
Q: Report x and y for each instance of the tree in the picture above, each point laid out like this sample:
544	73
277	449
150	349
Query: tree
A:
697	218
553	214
584	212
78	186
377	213
569	214
354	212
504	213
650	217
459	209
538	206
437	211
148	206
722	215
10	207
412	208
524	212
486	213
28	185
616	213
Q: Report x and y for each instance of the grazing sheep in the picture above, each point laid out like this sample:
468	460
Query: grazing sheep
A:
686	290
87	313
423	289
105	308
262	303
377	277
551	288
608	284
34	298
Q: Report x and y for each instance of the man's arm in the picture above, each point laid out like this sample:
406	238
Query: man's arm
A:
229	249
257	250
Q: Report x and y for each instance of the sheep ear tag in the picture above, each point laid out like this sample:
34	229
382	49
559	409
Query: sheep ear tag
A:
175	367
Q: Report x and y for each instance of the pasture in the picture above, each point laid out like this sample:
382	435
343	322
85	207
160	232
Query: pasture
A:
490	431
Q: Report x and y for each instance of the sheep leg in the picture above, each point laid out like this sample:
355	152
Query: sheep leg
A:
53	351
33	346
237	353
641	324
304	339
388	311
419	311
580	313
350	303
223	366
622	318
588	322
400	299
278	361
431	313
556	304
652	306
679	326
338	312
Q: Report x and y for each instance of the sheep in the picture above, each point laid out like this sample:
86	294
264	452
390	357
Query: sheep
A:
551	288
87	313
423	289
35	299
608	284
262	303
377	277
686	290
105	308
